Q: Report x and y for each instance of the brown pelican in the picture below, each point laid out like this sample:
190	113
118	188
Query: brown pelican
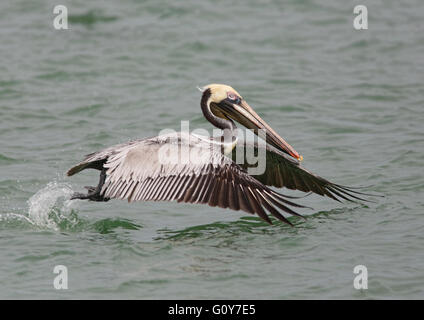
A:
153	169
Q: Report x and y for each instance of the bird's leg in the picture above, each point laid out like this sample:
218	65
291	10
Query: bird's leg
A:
93	193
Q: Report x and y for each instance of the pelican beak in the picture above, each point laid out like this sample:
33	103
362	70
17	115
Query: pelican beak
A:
241	112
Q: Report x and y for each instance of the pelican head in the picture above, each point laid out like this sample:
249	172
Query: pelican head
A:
227	103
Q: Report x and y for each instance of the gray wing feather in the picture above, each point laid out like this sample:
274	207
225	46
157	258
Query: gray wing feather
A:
135	172
138	175
96	159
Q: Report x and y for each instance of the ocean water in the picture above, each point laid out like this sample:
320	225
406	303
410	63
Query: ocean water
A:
350	101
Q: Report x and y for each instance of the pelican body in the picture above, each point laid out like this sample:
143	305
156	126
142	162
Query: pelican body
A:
154	168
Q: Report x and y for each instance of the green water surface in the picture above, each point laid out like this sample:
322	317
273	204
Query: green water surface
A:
351	102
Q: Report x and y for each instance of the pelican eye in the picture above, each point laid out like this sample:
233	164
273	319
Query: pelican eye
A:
233	97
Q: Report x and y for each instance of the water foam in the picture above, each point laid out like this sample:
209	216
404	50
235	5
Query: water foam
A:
8	217
49	208
50	205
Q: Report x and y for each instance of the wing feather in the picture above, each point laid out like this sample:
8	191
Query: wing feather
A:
134	171
284	171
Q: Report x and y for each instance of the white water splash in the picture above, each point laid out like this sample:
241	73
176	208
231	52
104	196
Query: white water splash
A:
43	204
14	216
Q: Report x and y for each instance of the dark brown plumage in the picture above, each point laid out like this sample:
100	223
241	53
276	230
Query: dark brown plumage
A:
284	171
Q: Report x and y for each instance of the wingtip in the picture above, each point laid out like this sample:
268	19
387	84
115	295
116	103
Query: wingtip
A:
71	172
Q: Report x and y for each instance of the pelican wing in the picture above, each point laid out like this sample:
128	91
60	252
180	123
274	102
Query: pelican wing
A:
139	172
284	171
96	160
